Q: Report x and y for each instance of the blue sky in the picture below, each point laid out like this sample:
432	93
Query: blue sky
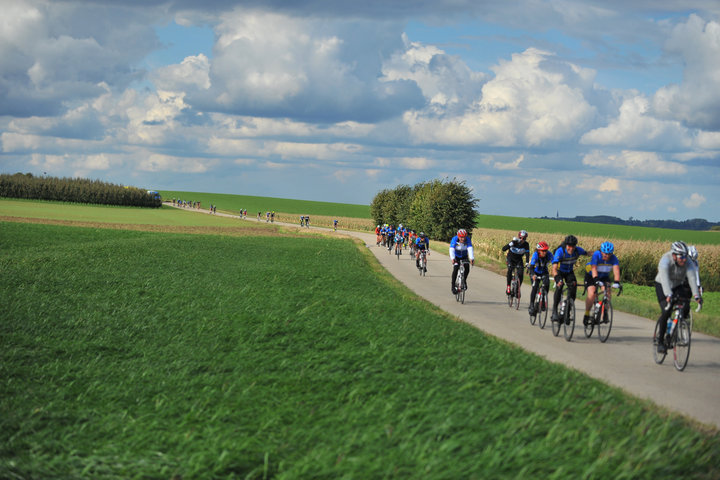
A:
582	107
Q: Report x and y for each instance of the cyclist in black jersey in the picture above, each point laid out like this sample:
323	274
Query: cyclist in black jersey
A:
518	248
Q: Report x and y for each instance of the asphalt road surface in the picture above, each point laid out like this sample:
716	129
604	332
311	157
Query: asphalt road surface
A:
624	361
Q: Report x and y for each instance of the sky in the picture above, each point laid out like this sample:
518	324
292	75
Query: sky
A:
542	107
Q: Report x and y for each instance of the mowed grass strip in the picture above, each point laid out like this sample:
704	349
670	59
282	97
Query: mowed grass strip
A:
165	215
146	355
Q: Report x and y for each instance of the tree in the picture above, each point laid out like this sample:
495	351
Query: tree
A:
439	207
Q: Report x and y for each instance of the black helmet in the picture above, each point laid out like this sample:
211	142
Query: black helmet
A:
571	240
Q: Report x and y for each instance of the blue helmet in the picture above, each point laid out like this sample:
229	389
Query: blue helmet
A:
607	247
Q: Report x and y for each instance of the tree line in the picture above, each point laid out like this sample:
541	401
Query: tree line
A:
438	207
76	190
699	224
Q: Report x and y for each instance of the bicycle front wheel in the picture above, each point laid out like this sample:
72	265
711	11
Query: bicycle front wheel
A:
569	324
606	321
543	310
590	326
682	345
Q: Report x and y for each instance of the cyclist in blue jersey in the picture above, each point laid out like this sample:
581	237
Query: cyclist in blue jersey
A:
389	236
518	248
422	244
538	267
564	260
461	250
597	271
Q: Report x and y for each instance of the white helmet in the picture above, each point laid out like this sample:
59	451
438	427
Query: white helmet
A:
693	253
680	248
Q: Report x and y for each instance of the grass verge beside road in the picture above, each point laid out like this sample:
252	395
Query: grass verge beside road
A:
145	355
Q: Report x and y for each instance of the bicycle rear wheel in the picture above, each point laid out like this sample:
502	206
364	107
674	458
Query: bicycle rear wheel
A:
534	317
569	324
605	322
658	357
681	339
543	310
590	325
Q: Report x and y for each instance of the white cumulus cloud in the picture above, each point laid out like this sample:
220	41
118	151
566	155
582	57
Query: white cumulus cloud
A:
534	99
694	200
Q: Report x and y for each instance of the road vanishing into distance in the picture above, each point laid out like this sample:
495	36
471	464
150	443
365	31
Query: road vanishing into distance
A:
624	361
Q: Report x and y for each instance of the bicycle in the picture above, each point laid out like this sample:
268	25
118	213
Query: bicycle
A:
514	295
566	315
602	311
541	302
422	263
677	336
460	285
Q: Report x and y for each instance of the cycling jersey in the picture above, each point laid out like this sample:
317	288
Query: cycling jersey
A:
539	265
603	267
567	260
517	248
671	275
461	251
422	243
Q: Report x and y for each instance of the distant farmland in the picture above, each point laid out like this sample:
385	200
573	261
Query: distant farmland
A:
265	204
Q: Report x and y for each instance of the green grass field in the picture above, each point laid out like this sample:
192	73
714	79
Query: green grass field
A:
538	225
254	205
146	355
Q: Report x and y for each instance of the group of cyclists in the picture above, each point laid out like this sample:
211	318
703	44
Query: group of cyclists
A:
678	274
390	237
678	270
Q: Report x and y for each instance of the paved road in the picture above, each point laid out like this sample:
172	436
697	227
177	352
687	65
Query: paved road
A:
624	361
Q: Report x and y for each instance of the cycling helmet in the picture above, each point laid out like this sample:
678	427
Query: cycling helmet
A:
693	253
607	247
543	246
422	234
461	233
522	234
680	248
571	240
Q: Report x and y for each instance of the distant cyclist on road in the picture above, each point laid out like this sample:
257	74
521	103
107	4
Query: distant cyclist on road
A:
539	267
597	271
562	270
518	248
676	276
461	250
422	244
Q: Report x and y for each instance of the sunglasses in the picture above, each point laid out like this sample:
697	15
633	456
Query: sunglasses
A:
681	257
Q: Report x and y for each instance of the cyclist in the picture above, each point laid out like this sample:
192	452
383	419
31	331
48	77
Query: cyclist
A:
693	254
518	248
398	240
461	250
673	271
538	267
597	271
422	244
335	222
562	270
389	236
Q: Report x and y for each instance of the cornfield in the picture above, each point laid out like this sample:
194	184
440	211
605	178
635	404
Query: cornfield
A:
638	259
